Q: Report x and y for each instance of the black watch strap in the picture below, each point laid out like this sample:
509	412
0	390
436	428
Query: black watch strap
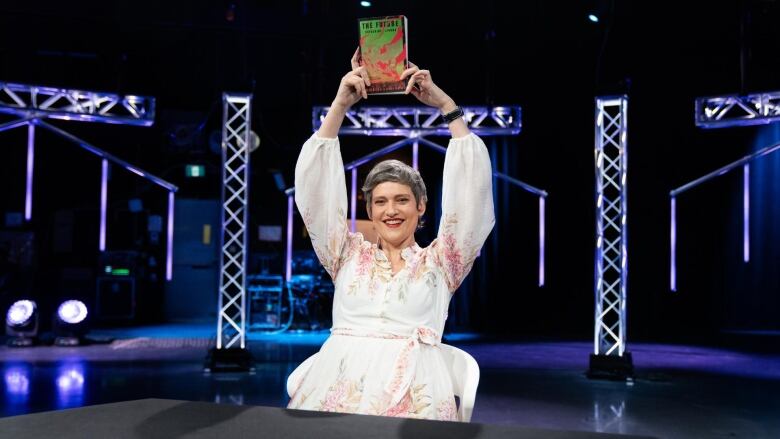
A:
453	115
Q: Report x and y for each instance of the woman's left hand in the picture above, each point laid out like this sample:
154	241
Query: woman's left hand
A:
426	91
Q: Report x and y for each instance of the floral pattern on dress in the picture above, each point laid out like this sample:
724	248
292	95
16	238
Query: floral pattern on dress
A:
344	395
446	410
455	256
414	404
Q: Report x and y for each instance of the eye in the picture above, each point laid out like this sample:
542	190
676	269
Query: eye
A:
379	202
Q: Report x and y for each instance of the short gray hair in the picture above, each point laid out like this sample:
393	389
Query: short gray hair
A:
397	172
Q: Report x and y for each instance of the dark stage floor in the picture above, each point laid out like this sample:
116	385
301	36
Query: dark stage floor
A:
679	392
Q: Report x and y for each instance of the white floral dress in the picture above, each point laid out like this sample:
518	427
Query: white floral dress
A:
382	356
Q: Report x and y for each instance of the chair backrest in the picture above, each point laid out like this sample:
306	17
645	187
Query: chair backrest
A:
464	371
462	368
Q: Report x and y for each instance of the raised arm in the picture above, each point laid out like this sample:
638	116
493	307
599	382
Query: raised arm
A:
467	207
320	187
467	188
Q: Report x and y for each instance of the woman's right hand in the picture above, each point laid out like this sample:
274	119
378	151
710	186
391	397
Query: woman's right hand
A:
353	85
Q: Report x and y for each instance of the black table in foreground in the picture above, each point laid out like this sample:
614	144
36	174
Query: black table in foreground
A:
165	418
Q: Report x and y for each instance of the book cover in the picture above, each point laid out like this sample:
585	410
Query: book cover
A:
384	52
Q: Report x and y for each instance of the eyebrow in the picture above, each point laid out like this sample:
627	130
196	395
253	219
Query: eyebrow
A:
382	197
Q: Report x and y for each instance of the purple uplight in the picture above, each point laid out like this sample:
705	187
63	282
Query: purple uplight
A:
415	153
673	246
288	258
169	250
541	241
103	201
30	162
746	213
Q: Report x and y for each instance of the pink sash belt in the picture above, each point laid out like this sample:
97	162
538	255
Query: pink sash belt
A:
406	361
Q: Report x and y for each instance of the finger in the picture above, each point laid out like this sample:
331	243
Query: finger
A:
413	65
356	59
359	85
363	74
409	85
409	71
356	82
415	79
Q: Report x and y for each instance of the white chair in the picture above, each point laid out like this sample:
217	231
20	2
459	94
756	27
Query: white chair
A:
464	371
462	368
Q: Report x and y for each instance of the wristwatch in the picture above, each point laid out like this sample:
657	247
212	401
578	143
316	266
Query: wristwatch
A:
453	115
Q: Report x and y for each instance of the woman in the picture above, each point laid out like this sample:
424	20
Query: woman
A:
391	296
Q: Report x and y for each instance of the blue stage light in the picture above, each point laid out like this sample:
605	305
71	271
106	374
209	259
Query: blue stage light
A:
70	323
365	4
21	323
20	312
593	18
72	311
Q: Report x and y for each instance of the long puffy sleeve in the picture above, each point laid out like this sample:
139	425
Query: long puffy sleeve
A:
467	208
321	197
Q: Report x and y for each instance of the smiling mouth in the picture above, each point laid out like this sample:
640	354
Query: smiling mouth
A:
393	223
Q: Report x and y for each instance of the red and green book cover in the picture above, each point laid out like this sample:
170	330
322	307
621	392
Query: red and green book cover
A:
384	52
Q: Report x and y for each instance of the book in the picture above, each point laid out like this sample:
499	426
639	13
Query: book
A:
384	51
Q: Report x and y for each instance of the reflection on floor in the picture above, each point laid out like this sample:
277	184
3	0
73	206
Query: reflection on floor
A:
680	391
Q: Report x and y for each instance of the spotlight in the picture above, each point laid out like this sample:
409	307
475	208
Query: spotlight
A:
593	18
70	323
365	4
21	323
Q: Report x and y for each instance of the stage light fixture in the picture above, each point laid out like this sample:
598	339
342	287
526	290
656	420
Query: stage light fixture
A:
21	323
70	323
593	18
365	4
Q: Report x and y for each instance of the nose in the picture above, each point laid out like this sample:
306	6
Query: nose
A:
391	209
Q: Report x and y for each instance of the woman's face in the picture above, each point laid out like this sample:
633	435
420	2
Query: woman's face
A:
395	213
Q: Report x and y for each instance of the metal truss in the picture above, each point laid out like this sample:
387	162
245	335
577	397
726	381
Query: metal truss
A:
35	104
744	163
236	128
734	110
87	106
414	123
401	121
611	269
721	112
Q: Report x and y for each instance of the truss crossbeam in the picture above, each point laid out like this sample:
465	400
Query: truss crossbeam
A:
87	106
733	110
421	121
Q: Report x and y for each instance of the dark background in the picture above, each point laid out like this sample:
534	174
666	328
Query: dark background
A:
542	55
